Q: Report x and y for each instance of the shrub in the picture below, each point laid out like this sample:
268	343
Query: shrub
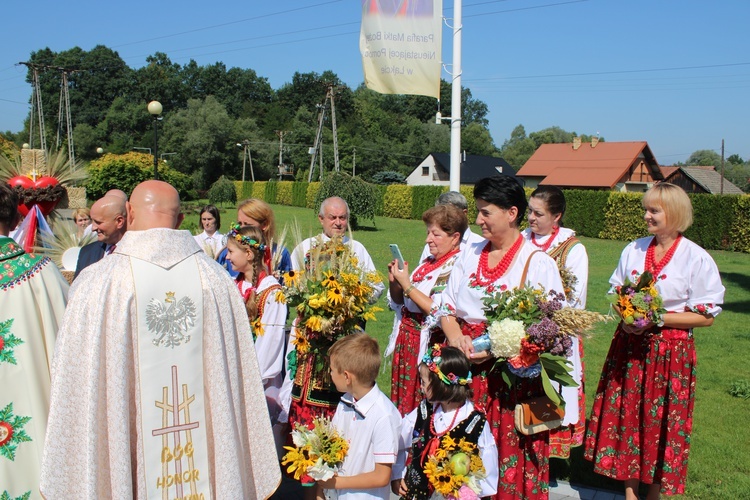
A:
126	171
623	217
269	195
711	227
222	191
468	192
259	190
740	389
299	194
380	195
312	194
397	201
388	177
359	194
423	197
741	224
244	189
284	192
584	211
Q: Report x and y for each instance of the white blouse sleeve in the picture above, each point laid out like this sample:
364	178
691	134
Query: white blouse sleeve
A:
706	291
488	452
404	444
269	347
578	263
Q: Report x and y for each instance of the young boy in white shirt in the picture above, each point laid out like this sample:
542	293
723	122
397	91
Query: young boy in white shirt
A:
366	418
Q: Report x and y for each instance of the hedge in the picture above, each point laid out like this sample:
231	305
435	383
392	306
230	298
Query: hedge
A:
397	201
720	222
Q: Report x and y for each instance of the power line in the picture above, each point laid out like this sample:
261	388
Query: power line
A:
519	9
229	23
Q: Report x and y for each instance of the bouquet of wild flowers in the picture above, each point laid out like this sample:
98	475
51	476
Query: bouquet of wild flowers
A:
455	469
530	333
332	296
639	300
318	451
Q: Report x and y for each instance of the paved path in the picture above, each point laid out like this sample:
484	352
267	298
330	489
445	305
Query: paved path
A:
561	490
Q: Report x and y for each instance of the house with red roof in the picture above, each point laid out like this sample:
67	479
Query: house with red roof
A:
612	166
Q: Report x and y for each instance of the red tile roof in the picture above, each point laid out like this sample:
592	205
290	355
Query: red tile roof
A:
602	166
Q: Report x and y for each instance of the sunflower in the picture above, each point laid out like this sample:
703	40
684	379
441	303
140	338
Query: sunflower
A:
334	295
314	323
298	459
291	278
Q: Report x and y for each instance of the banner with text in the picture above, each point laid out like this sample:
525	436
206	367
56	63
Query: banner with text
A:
400	42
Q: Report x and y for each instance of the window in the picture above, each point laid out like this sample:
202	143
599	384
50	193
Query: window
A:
425	170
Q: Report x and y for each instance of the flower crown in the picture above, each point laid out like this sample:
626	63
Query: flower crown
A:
433	358
234	233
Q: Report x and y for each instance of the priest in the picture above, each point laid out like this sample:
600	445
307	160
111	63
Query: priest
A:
156	391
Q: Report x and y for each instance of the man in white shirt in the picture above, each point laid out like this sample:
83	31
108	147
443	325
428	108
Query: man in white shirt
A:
334	217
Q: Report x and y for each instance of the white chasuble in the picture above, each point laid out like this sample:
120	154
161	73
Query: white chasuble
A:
169	305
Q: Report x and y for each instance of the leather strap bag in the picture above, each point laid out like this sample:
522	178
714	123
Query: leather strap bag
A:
538	414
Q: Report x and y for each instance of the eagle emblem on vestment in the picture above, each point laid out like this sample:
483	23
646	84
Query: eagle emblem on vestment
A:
170	319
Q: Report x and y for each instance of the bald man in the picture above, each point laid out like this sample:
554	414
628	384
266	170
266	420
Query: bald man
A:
109	223
156	391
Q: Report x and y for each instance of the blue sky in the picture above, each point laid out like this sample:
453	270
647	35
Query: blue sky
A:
673	73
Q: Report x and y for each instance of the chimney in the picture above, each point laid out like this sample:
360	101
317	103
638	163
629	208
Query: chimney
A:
576	143
594	141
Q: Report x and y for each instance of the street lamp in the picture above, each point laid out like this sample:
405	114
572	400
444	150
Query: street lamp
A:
99	151
155	108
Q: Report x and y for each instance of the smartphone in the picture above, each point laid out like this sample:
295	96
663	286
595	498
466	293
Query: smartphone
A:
397	255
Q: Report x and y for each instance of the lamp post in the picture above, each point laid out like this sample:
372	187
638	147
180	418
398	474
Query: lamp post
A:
155	108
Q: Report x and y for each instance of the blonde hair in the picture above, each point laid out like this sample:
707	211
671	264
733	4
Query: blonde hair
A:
255	233
357	354
675	203
81	211
263	213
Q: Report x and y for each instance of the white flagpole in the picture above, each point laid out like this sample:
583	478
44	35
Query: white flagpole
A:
455	178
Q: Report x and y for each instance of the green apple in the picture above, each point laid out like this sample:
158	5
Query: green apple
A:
460	463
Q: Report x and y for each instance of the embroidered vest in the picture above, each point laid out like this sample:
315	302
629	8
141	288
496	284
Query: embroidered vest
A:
418	487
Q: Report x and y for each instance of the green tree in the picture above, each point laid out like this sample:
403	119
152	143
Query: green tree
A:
704	157
222	191
518	148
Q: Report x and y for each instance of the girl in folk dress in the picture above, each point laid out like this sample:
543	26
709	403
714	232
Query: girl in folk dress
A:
267	314
642	416
497	264
444	374
545	232
415	297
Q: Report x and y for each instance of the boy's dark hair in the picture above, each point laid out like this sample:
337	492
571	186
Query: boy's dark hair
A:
8	205
358	354
452	360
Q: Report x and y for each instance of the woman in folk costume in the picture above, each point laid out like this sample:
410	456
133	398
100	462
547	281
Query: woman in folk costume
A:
545	232
267	314
415	298
210	240
641	421
446	414
504	261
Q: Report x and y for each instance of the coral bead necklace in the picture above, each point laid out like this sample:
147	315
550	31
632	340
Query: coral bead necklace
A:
651	265
545	246
486	276
430	265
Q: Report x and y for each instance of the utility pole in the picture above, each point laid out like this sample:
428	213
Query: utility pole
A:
317	145
36	105
281	134
354	160
721	189
65	105
331	94
245	145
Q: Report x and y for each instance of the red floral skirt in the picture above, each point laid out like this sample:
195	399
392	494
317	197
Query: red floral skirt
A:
563	439
405	385
642	416
523	460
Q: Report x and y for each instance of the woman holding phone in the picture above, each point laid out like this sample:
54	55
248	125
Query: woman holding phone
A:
414	297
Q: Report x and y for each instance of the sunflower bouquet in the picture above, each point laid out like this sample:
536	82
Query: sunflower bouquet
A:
455	469
318	451
638	300
530	332
332	296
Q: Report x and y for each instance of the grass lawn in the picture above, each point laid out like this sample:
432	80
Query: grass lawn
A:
720	453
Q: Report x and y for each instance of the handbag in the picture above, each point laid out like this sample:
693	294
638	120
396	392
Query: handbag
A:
538	415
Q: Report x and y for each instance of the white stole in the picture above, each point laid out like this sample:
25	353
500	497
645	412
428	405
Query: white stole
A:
169	304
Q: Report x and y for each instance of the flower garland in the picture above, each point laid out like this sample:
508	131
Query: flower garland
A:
432	359
486	276
234	233
430	264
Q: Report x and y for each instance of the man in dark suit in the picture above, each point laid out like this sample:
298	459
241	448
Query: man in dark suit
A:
109	222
